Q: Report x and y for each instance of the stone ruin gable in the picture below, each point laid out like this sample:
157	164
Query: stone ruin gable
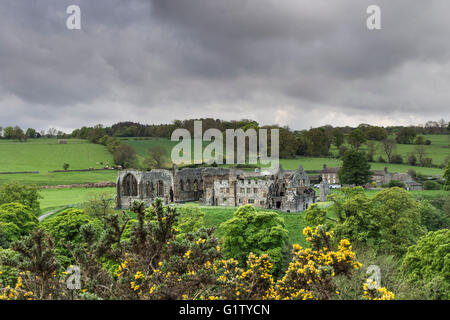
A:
210	175
253	190
144	186
291	191
188	184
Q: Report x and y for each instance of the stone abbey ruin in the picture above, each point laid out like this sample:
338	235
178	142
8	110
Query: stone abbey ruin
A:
288	191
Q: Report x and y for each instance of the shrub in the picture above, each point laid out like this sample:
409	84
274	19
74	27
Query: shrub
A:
190	219
26	195
396	158
252	231
428	262
396	183
65	228
381	159
431	185
314	215
427	162
412	160
16	220
431	217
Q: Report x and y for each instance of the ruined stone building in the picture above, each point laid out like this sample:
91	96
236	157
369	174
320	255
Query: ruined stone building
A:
288	191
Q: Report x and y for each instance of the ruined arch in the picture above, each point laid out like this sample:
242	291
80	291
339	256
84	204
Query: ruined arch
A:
195	185
149	189
188	185
181	185
160	188
129	186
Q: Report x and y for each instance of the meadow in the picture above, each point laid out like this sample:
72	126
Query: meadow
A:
56	198
45	154
439	151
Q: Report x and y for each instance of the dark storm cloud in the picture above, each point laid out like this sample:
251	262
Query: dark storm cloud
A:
298	63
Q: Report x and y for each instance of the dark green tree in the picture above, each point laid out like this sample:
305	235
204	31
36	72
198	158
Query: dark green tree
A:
355	169
356	138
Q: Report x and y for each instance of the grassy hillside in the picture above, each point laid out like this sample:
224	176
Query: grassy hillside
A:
45	155
54	198
439	150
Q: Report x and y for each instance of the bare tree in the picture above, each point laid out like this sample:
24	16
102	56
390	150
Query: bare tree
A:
420	150
389	145
157	158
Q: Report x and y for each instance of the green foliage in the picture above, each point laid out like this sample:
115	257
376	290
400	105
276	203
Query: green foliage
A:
389	222
431	185
337	137
16	220
355	168
447	177
356	138
396	183
428	262
8	275
288	144
399	220
125	156
315	215
190	219
376	133
26	195
356	219
158	158
406	135
257	232
431	217
65	228
318	143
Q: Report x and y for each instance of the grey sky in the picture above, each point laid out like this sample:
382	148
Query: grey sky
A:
292	62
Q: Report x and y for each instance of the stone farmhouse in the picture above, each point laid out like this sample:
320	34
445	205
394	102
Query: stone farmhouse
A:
330	175
285	190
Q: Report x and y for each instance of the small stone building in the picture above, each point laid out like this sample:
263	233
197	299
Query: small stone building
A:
329	175
382	176
288	191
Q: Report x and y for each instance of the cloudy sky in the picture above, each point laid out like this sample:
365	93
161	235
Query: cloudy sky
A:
302	63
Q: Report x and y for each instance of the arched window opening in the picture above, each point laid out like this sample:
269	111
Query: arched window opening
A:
129	186
160	189
181	185
188	185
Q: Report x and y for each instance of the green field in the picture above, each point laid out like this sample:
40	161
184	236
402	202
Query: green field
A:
439	151
55	198
45	155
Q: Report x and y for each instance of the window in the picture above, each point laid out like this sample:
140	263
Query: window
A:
242	190
129	186
249	190
240	200
255	190
251	200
